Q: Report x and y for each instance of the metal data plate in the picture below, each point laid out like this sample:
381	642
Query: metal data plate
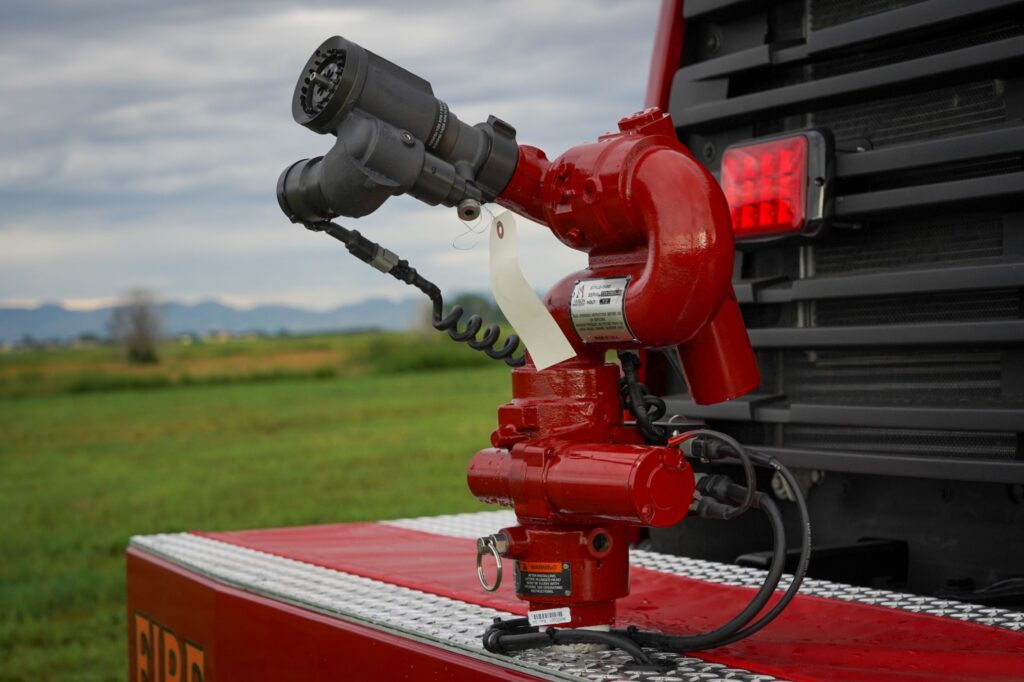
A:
598	310
456	626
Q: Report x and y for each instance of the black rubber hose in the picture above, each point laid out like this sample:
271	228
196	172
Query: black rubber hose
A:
536	640
805	547
745	461
371	252
505	637
730	630
644	407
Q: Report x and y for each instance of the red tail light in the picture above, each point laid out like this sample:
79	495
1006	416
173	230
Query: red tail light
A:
776	187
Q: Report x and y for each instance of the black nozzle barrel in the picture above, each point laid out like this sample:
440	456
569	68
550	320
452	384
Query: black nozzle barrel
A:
341	76
394	137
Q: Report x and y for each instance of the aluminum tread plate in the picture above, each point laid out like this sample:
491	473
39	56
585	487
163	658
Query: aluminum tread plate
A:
440	621
485	523
457	625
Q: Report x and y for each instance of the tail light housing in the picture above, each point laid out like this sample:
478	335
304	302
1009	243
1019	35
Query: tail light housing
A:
779	186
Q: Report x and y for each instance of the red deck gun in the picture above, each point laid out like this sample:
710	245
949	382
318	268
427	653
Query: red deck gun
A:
582	479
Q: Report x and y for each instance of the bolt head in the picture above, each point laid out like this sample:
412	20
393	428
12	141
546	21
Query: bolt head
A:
469	209
640	118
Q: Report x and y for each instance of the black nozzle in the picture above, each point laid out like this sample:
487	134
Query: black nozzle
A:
394	137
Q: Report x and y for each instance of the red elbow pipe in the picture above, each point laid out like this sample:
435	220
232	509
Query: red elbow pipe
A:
644	209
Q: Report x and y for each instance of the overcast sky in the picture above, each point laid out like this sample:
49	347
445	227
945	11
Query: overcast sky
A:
140	142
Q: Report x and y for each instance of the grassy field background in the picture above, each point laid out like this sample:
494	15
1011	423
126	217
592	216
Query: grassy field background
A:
249	433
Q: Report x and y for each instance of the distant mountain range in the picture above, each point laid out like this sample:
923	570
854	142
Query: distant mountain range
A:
56	322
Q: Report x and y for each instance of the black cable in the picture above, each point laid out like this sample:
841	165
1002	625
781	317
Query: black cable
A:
516	634
645	407
701	451
730	630
765	459
389	263
805	546
719	495
721	498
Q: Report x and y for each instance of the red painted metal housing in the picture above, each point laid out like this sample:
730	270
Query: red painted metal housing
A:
579	479
241	636
641	207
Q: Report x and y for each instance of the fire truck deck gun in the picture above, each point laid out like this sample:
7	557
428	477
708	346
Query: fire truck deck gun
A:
582	478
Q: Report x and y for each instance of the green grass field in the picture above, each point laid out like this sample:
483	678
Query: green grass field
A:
264	441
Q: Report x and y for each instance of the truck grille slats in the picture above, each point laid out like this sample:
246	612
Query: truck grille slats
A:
905	118
897	336
1001	56
825	13
905	309
909	242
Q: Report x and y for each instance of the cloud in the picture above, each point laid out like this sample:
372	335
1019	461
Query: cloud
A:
143	139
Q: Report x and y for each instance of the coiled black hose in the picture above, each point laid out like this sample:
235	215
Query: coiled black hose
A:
389	263
450	324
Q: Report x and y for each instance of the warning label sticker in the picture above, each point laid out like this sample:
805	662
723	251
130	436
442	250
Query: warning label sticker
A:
598	310
543	579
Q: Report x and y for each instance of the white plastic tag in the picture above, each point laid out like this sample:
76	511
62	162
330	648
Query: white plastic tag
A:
550	617
519	302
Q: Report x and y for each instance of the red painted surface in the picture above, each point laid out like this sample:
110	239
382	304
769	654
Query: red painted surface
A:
814	639
643	209
667	53
566	482
246	637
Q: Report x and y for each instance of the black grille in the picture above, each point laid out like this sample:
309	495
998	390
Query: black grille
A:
904	118
860	59
825	13
959	170
912	242
890	377
918	287
959	306
934	443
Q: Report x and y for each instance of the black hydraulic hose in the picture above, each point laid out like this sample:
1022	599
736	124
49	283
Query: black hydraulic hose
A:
535	640
516	634
745	462
389	263
644	407
721	494
805	547
647	408
730	631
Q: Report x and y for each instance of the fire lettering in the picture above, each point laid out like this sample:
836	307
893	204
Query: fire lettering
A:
161	656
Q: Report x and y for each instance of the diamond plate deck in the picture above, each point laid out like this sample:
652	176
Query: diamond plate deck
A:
485	523
425	617
456	625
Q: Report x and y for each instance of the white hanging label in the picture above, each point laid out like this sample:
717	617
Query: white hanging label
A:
519	302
